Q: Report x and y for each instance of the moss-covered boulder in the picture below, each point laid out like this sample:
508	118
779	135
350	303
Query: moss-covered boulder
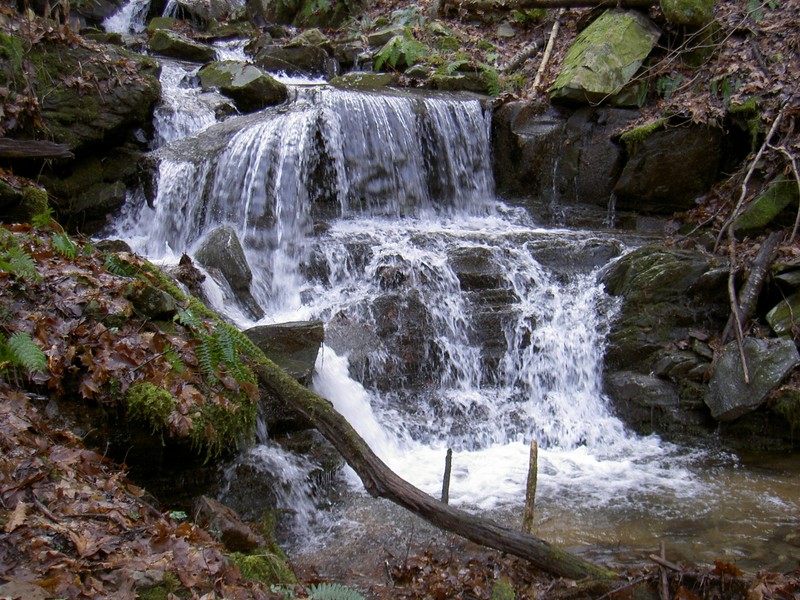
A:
173	44
248	86
695	13
765	209
604	57
206	11
306	13
86	94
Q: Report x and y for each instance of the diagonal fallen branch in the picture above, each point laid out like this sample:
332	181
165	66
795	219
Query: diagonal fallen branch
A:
380	481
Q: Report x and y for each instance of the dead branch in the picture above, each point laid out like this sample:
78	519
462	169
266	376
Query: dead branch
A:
380	481
11	148
548	49
748	295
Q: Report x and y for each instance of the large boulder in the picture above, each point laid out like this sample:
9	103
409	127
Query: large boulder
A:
295	60
604	58
305	13
768	207
248	86
176	45
293	346
211	10
222	254
668	169
730	396
92	94
694	13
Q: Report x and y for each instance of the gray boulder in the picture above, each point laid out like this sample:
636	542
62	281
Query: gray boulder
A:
211	10
292	346
768	363
604	58
222	254
175	45
248	86
694	13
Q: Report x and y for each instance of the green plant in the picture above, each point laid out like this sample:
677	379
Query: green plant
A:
400	50
20	351
263	566
64	246
17	262
503	590
333	591
666	86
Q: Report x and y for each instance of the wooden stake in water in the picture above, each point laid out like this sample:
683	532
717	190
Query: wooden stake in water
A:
448	464
530	490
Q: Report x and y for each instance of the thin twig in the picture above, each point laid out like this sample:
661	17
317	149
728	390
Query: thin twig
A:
548	50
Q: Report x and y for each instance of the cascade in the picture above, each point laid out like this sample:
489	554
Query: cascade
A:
452	320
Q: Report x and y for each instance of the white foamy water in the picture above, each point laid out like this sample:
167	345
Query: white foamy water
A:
130	18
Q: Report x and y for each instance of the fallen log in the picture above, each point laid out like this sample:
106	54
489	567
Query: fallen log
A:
380	481
11	148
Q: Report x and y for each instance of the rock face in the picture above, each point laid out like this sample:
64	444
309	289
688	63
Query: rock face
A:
667	294
669	168
248	86
222	254
768	362
604	57
574	158
297	60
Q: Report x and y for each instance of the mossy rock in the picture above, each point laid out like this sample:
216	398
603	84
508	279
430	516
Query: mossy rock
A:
150	403
264	566
765	209
175	45
157	23
248	86
363	81
785	315
695	13
604	57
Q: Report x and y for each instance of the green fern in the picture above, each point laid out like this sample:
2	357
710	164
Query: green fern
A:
492	79
114	264
65	246
19	263
188	319
44	218
25	353
206	358
333	591
398	50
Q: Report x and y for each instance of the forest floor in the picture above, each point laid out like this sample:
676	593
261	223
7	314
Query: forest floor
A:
73	525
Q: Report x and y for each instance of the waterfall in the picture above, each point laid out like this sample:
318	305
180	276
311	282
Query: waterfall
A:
130	18
452	321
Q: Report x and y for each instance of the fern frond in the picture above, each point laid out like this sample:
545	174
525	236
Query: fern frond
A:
26	353
117	266
188	319
333	591
44	218
19	263
65	246
205	353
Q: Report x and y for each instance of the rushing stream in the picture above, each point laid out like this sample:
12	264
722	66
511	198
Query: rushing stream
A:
453	321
